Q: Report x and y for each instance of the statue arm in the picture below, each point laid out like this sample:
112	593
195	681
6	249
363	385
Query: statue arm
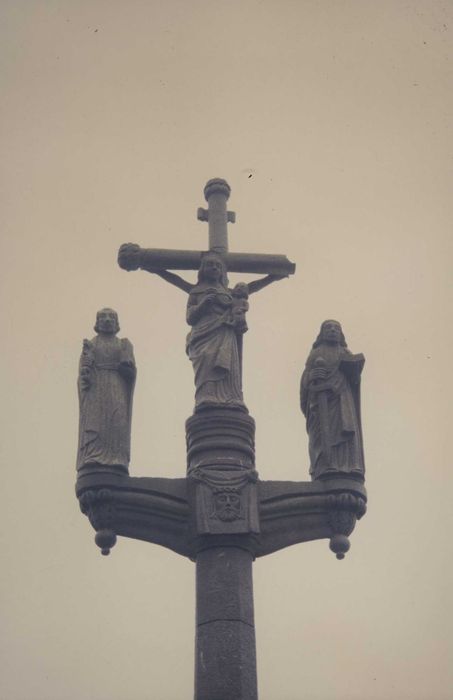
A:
306	384
304	393
257	285
196	309
127	365
172	278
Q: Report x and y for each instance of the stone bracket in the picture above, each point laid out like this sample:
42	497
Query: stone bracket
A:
293	512
99	506
159	511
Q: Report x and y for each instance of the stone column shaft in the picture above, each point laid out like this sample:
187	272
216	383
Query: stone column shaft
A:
225	653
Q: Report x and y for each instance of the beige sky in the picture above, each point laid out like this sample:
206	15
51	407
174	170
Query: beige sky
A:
332	123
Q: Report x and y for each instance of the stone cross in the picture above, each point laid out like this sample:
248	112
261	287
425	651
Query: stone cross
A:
217	192
221	515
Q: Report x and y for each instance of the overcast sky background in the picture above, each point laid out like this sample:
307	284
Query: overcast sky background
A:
332	123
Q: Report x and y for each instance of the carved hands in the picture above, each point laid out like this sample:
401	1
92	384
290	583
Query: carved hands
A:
210	299
196	311
130	256
319	371
317	374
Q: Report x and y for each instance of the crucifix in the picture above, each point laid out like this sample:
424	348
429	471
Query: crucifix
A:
221	515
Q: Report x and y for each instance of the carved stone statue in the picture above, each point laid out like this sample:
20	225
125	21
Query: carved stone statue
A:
106	385
212	344
240	305
330	401
217	317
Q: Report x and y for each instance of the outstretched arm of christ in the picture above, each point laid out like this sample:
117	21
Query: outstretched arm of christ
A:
172	278
256	285
132	257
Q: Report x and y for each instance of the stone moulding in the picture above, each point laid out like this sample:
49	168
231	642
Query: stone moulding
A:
157	510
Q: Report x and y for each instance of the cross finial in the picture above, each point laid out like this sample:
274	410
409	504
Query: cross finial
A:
216	193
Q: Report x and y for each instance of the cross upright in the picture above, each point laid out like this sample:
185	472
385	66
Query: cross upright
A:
221	515
217	192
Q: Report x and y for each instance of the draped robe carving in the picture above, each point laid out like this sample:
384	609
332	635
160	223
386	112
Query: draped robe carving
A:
212	346
332	409
105	400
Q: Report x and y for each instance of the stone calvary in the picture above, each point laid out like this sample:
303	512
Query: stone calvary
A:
220	515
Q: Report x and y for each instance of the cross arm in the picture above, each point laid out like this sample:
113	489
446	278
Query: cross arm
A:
203	215
133	257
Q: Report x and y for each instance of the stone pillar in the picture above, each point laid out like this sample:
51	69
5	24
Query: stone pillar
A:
225	652
224	524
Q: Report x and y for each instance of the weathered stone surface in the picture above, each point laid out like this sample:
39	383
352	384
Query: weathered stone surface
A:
145	508
225	664
219	438
217	192
221	516
161	511
221	470
213	342
99	507
215	313
106	385
294	512
330	401
132	257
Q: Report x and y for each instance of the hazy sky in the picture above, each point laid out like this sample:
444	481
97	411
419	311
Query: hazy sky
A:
332	123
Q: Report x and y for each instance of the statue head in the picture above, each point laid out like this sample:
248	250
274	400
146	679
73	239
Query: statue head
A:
107	322
240	290
227	503
331	333
212	269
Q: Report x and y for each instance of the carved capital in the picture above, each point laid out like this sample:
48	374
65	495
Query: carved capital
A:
220	438
217	186
346	502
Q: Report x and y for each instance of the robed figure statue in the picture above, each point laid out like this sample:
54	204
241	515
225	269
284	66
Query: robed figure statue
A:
106	385
330	402
213	344
216	315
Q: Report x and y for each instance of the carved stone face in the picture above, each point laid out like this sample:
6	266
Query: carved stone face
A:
107	321
211	269
240	291
331	332
227	506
